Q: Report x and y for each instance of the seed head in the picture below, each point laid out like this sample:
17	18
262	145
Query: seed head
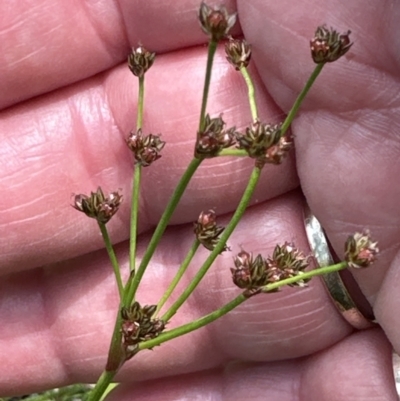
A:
213	138
265	143
207	231
215	21
249	273
137	326
140	60
238	53
328	45
360	250
277	153
146	149
287	261
97	205
254	273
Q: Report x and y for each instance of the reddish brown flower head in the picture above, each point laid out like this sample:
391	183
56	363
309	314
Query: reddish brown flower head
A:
213	138
207	220
360	250
277	153
287	261
140	60
216	22
238	53
207	231
146	149
254	273
265	143
97	205
328	45
249	273
137	326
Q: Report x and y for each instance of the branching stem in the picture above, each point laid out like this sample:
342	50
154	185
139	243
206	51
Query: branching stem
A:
101	386
244	202
162	225
187	328
233	152
212	47
139	121
300	98
136	186
251	93
113	259
182	269
134	217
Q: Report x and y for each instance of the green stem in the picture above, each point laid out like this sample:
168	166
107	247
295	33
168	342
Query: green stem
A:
251	93
233	152
196	324
300	98
212	47
306	275
139	121
108	390
135	278
162	225
136	185
113	259
101	385
244	202
134	217
107	376
187	328
182	269
115	356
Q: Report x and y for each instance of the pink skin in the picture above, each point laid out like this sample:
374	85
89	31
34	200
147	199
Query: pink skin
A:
67	103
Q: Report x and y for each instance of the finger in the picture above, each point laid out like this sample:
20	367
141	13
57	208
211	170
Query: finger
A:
388	302
66	313
45	45
357	368
347	134
73	141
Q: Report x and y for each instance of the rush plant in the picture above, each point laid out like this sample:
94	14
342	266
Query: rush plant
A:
140	327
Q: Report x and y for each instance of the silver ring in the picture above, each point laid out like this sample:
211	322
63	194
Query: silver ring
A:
333	281
396	371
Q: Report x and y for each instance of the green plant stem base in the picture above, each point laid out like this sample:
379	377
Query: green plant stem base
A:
76	392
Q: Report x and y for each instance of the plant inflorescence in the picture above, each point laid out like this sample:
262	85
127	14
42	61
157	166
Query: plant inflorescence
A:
139	327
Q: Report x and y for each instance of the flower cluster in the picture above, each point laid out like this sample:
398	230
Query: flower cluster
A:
265	143
287	261
360	250
146	148
97	205
207	231
140	60
253	273
137	326
216	22
249	272
213	137
328	45
238	53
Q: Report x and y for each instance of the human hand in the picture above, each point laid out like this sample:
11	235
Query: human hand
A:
58	297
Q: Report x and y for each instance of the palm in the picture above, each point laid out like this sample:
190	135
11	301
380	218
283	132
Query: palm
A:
58	319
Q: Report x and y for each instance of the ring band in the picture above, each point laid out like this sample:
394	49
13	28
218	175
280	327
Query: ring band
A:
333	281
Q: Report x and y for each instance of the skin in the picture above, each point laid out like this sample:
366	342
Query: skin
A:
67	101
